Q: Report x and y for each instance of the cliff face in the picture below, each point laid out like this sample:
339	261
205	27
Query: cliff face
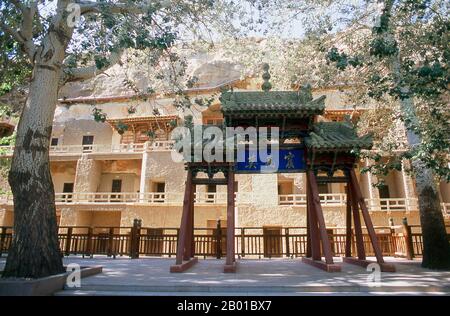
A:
209	70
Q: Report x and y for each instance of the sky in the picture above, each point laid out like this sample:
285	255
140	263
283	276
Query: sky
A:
294	29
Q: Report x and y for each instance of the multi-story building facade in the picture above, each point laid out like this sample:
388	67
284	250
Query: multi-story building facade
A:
107	174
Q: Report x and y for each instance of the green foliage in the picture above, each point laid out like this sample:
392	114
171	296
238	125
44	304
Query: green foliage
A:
406	59
131	109
383	47
151	134
5	110
191	82
156	112
430	80
342	60
173	123
121	127
188	121
8	141
15	69
5	166
182	102
206	101
99	115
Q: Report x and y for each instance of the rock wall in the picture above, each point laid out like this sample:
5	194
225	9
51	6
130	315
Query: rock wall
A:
88	175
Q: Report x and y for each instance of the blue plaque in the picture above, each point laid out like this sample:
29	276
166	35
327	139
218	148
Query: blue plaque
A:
287	160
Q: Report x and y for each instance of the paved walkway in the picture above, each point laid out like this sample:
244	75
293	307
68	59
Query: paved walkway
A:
150	276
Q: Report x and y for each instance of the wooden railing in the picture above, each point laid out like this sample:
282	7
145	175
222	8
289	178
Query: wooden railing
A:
340	199
401	241
100	148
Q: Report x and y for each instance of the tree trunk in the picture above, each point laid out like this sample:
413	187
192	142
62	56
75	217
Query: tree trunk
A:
35	249
436	247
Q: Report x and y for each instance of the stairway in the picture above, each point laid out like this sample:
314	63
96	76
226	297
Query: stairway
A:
246	290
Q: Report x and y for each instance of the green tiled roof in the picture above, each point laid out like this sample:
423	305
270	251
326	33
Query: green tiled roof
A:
295	103
336	136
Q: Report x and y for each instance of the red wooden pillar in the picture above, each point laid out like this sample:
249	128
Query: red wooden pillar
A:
317	229
184	227
187	254
326	247
348	235
185	234
357	220
365	212
192	220
358	200
230	264
314	235
308	228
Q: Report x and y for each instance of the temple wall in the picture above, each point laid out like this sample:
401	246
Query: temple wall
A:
295	216
265	187
160	167
444	189
73	131
130	182
62	172
170	216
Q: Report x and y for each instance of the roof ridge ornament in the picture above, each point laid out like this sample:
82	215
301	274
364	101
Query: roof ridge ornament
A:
305	94
266	86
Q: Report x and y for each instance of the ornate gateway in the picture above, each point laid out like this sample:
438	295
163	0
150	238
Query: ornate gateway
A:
304	145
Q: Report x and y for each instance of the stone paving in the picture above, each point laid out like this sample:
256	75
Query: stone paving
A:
151	276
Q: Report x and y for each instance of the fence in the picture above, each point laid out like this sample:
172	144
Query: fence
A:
401	241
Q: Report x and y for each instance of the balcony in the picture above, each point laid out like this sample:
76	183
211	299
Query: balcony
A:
340	199
155	198
300	199
220	198
76	150
393	204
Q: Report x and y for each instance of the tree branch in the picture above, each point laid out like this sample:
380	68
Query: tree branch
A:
27	46
84	73
96	7
20	6
28	14
24	36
